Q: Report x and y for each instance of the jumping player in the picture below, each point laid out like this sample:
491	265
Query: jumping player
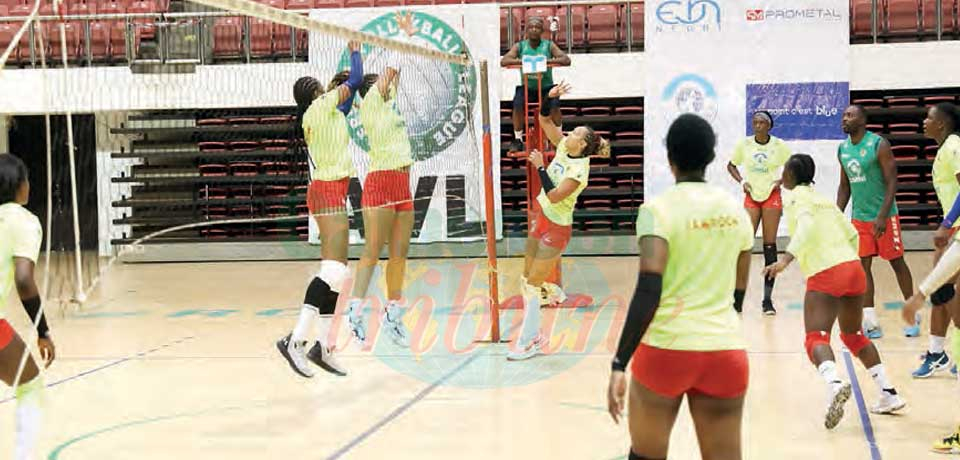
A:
761	156
825	244
20	239
387	203
550	231
325	133
869	175
941	125
692	341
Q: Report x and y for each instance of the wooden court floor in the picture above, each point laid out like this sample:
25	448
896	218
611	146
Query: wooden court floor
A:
177	361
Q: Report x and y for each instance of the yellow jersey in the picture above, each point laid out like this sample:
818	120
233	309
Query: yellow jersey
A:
761	164
564	167
946	166
20	236
386	131
325	132
821	237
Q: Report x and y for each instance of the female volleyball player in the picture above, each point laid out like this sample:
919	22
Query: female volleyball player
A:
761	156
20	239
826	245
692	343
550	230
325	134
940	125
387	203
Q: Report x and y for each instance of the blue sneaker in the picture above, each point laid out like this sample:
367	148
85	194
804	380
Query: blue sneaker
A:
875	333
932	362
913	331
953	370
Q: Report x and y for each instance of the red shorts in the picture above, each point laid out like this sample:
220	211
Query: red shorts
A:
889	246
326	195
672	373
6	334
774	201
549	233
388	189
843	280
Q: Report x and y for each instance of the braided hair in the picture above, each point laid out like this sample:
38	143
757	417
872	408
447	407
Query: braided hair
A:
369	80
304	92
802	167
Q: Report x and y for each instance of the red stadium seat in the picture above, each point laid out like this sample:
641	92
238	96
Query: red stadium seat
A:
595	111
213	170
906	152
212	146
903	128
387	3
276	191
211	193
933	100
903	17
244	169
417	2
318	4
227	37
900	101
23	48
578	18
875	127
600	182
860	14
628	110
602	23
542	12
7	32
869	103
629	135
244	146
303	4
636	23
629	160
357	3
145	27
261	37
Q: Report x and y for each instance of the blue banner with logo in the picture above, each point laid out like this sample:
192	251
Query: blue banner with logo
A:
802	111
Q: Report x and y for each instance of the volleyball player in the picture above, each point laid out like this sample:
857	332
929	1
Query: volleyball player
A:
550	229
761	157
940	125
826	246
868	174
695	242
20	239
387	202
325	134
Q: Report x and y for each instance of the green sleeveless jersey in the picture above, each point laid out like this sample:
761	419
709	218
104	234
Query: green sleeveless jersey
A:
867	187
542	50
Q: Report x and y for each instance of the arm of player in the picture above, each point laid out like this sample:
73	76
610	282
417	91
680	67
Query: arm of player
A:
734	172
512	57
888	166
30	297
797	241
346	90
646	298
843	190
553	133
389	77
557	56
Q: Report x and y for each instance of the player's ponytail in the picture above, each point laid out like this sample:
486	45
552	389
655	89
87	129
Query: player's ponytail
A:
304	92
596	145
369	80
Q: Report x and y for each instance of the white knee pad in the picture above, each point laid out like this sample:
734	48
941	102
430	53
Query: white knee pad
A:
333	273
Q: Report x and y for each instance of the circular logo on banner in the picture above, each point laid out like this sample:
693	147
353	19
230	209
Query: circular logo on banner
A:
690	93
436	97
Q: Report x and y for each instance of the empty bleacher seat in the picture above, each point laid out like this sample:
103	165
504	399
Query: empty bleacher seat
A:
906	152
261	37
242	146
903	128
227	36
861	14
213	170
244	169
359	3
595	111
628	110
902	17
629	159
578	20
630	135
602	21
212	193
636	23
933	100
869	103
212	146
903	101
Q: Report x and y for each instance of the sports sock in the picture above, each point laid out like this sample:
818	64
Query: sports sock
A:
870	317
936	344
29	418
879	376
828	370
531	314
305	324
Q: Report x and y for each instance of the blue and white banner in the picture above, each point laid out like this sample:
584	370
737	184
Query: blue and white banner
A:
726	59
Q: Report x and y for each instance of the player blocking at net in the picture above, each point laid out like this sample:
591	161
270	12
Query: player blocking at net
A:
387	202
20	239
550	230
826	246
322	117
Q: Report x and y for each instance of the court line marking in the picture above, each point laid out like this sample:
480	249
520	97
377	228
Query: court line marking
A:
111	364
862	408
400	410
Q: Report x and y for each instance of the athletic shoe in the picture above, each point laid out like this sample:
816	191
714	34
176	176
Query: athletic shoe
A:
949	444
768	309
555	294
888	403
323	356
839	395
738	308
875	333
526	352
295	355
393	324
913	331
358	327
932	363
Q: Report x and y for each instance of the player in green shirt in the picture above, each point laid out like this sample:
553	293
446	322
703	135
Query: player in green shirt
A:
534	45
868	175
20	239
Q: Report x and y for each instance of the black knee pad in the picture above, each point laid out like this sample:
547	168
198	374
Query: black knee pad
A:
943	295
316	295
329	303
634	456
769	254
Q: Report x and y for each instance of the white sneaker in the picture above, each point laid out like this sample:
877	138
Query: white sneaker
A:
528	351
358	327
555	295
296	356
324	357
839	395
888	404
393	324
